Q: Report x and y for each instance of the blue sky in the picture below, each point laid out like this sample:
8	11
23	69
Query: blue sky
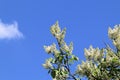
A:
29	21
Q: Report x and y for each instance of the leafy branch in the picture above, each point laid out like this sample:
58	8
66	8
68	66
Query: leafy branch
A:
100	64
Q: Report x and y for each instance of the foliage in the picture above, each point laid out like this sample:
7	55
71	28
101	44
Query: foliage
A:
100	64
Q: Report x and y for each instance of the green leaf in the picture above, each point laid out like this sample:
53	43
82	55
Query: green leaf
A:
76	58
60	59
114	60
53	73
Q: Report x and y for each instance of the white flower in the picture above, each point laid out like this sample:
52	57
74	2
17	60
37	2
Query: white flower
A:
47	65
110	55
115	32
108	58
95	66
79	68
63	69
116	42
62	34
54	79
65	47
94	54
56	53
71	47
47	49
50	49
85	66
87	53
55	29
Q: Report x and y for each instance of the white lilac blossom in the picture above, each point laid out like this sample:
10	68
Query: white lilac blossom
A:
56	53
116	42
71	47
47	65
67	48
85	67
110	55
50	49
56	31
114	34
54	79
60	36
94	54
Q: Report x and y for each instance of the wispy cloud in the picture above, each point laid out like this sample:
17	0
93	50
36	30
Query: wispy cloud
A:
10	31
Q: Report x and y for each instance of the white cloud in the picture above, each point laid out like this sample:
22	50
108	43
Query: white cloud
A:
9	31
